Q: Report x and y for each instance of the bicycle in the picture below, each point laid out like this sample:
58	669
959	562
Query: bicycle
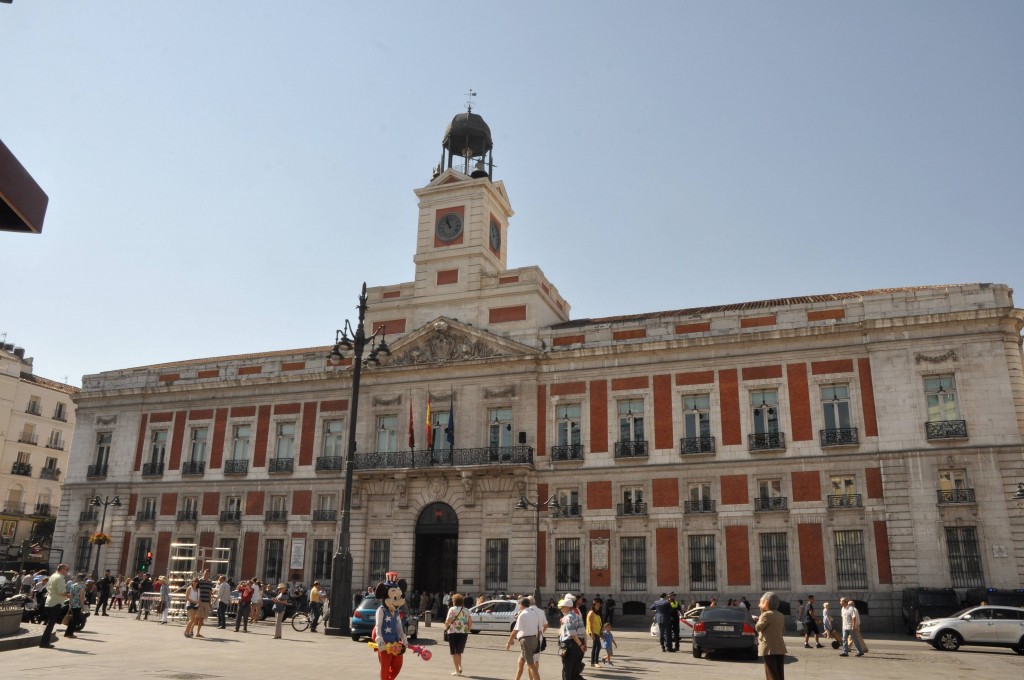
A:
301	620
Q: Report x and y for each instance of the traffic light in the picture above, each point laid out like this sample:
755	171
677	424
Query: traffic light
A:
147	562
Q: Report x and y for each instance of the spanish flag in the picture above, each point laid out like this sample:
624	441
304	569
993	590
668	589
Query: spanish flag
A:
430	428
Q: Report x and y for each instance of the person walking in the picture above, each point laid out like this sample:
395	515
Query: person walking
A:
315	607
458	624
594	629
165	600
56	594
223	594
118	593
256	601
850	617
828	626
192	608
103	589
770	627
280	607
244	601
572	641
608	643
673	621
811	624
205	598
662	613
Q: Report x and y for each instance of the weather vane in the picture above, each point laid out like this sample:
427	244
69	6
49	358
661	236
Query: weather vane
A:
469	102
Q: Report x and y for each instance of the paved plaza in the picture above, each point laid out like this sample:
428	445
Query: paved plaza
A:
120	646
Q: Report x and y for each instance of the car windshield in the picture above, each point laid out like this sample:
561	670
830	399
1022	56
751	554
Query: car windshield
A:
724	614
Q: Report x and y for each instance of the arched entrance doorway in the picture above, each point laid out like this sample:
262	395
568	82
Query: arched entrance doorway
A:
437	549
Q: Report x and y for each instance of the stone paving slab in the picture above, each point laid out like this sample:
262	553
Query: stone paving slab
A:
118	645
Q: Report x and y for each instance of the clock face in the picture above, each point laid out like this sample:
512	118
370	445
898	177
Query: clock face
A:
495	236
449	227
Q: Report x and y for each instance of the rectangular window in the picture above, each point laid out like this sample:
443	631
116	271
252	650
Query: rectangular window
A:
387	434
702	562
567	564
60	412
497	564
157	447
334	437
198	448
634	563
774	562
279	503
631	420
325	501
34	406
273	559
952	480
285	440
83	555
965	567
230	553
499	427
697	416
323	555
149	505
835	405
844	485
940	393
851	567
23	457
233	504
568	502
769	488
103	440
765	405
380	556
54	441
240	442
568	419
51	464
633	500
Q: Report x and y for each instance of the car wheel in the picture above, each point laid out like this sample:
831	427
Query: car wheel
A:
355	637
949	641
752	654
696	651
263	615
1019	647
475	632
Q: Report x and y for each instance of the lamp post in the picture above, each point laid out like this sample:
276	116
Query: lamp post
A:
96	502
525	504
340	620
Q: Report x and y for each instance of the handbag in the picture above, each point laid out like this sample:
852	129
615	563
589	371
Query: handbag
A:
543	643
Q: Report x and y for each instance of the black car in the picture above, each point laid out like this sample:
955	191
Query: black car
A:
921	604
725	629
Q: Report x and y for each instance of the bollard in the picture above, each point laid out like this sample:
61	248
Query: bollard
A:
426	618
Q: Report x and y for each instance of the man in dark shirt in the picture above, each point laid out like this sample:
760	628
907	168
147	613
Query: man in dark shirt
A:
103	587
663	617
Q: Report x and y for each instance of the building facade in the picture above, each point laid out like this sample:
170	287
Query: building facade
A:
856	443
37	420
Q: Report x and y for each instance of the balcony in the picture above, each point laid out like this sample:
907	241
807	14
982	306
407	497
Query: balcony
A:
446	458
88	516
280	465
193	467
954	496
840	436
634	449
152	469
56	445
230	515
563	511
61	417
567	452
946	429
705	505
148	515
276	515
28	438
325	515
767	503
690	445
766	441
49	473
848	500
43	510
630	509
33	409
236	467
336	463
14	507
97	470
23	469
188	515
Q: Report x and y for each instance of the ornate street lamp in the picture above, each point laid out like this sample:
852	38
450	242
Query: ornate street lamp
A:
340	620
525	504
96	502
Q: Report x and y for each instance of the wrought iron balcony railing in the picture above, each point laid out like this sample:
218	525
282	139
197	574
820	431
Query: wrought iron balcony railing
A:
28	438
766	441
762	503
280	464
49	473
188	515
840	436
634	449
276	515
955	496
88	516
572	510
696	445
152	469
61	417
704	505
58	446
230	515
14	507
630	509
236	467
43	510
33	409
193	467
946	429
847	500
567	452
330	463
23	469
325	515
148	515
385	460
98	470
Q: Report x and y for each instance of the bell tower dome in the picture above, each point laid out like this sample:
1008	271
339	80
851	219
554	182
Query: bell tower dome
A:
468	139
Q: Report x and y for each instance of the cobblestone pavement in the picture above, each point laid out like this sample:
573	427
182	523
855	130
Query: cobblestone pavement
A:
119	646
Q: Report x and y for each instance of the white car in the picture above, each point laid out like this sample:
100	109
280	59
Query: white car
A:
986	626
494	615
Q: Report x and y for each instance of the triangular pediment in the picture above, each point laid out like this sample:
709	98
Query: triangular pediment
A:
447	341
449	176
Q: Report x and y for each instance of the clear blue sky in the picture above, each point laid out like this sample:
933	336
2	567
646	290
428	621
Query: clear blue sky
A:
224	175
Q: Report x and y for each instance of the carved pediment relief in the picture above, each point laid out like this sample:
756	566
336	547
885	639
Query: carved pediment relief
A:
444	341
935	358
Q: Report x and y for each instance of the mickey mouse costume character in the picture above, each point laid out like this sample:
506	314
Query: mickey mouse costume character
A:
388	630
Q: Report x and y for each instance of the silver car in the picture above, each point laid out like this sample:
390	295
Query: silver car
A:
987	626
